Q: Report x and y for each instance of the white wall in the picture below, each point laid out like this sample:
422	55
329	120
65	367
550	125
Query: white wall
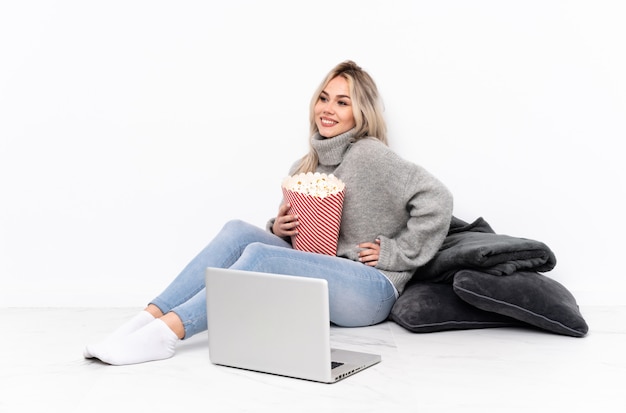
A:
130	131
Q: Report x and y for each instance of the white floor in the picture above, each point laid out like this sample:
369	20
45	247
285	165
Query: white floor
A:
492	370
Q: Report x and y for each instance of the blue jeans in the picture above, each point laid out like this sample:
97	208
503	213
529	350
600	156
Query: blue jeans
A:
359	295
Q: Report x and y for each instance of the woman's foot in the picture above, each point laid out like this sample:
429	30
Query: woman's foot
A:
138	321
154	341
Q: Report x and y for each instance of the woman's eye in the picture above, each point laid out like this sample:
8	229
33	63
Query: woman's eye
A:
323	99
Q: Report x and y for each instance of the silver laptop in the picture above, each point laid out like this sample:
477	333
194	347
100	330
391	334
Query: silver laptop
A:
276	324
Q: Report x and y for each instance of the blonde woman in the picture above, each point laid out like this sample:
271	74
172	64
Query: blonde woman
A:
395	218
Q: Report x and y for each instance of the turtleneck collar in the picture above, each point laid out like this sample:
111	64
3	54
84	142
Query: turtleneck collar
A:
331	151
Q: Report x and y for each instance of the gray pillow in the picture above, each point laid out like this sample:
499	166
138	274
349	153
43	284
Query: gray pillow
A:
529	297
430	307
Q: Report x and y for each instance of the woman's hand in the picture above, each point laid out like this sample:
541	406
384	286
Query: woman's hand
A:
370	253
285	225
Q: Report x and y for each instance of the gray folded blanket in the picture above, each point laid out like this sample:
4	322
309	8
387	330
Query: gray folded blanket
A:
481	279
477	246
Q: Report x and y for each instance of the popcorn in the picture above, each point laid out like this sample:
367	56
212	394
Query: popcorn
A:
317	199
314	184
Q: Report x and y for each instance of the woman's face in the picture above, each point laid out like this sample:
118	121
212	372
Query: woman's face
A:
333	110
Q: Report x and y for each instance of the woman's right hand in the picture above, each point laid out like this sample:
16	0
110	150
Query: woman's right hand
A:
285	225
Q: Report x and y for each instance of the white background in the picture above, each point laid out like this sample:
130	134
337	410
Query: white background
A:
131	131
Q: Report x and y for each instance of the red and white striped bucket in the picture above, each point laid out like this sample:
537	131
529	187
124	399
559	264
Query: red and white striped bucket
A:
319	218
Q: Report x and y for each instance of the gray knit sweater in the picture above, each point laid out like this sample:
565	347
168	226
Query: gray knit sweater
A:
386	198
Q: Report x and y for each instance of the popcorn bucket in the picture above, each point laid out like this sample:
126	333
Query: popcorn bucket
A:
317	199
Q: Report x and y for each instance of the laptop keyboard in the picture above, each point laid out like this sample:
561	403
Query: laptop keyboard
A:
334	364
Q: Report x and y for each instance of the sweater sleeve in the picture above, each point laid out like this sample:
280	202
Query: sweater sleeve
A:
429	205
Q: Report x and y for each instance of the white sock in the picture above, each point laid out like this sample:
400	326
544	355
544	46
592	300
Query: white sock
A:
132	325
155	341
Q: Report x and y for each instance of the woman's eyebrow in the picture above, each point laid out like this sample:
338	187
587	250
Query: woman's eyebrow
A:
338	96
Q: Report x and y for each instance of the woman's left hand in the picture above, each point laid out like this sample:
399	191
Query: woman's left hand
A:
370	253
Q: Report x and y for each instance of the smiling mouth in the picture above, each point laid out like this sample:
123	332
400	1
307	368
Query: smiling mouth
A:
328	122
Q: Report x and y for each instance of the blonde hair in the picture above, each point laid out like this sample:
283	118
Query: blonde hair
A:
367	109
